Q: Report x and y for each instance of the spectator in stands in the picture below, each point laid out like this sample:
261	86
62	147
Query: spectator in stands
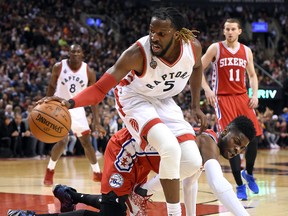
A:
271	132
285	114
9	111
283	119
120	124
103	139
5	139
18	131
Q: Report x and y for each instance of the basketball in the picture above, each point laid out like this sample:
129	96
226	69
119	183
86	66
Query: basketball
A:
49	122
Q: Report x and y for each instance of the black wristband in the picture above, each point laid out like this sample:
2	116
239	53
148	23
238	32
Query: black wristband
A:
72	103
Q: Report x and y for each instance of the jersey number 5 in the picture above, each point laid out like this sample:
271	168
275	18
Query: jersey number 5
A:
170	85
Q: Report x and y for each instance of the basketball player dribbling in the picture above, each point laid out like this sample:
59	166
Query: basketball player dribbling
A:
229	97
149	73
69	77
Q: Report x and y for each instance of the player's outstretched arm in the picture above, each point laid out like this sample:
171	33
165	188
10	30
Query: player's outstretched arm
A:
222	189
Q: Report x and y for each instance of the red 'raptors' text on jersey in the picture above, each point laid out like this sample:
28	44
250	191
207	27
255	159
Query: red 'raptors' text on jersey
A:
229	70
70	82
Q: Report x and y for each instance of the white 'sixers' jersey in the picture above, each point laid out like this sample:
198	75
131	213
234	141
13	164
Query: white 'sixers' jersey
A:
71	82
165	80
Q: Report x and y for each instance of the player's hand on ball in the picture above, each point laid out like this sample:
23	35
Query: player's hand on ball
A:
54	98
49	98
41	101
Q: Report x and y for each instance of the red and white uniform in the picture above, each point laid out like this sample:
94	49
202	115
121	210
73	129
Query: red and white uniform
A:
143	101
69	84
126	164
229	84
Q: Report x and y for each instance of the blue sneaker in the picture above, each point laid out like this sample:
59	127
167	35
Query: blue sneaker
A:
67	203
241	192
250	181
20	213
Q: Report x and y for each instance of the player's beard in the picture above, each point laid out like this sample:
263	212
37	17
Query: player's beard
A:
164	51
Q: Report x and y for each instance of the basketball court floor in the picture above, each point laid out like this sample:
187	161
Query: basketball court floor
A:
21	186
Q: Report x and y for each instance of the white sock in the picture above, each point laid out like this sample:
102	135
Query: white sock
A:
95	167
174	209
153	185
51	164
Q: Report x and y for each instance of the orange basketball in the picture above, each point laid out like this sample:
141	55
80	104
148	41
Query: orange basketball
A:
49	122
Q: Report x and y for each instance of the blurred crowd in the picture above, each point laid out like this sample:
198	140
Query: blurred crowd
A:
37	34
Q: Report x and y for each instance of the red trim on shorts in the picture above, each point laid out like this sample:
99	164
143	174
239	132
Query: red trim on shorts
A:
185	137
146	129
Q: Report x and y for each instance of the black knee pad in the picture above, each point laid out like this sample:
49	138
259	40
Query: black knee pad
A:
112	205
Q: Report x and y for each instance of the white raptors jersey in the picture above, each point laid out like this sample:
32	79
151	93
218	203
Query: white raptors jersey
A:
165	80
71	82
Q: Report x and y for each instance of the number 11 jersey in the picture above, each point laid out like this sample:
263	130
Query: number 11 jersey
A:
229	68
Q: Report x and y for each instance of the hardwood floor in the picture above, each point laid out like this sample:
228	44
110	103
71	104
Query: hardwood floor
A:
21	186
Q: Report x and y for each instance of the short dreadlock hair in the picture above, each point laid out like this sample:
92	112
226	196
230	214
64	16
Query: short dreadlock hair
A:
245	125
178	21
